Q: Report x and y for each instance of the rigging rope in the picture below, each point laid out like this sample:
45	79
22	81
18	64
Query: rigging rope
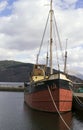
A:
43	37
57	109
56	45
58	37
56	51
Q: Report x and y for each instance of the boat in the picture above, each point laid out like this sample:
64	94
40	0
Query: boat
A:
78	96
48	92
78	101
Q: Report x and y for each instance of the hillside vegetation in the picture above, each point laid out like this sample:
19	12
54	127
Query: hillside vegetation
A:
6	63
14	71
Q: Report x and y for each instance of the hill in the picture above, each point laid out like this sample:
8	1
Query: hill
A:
14	71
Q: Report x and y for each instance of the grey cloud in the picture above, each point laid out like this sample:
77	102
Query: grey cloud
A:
22	30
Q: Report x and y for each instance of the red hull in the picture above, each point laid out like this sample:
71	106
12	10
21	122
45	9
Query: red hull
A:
42	101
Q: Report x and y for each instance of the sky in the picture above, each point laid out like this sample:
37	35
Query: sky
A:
22	24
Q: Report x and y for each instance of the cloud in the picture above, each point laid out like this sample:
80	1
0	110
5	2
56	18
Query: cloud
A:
65	4
70	1
21	31
20	28
3	5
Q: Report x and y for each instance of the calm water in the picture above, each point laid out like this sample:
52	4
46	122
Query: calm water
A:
15	115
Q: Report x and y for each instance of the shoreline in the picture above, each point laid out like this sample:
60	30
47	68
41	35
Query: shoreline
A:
12	89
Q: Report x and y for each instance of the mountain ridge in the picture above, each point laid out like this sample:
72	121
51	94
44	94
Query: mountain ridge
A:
15	71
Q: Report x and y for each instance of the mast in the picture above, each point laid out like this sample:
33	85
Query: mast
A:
65	64
37	59
51	40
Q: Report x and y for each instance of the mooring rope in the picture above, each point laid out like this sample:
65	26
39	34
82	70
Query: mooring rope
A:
57	109
77	99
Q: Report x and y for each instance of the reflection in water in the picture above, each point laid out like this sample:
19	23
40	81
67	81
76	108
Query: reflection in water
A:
16	115
77	120
47	121
78	115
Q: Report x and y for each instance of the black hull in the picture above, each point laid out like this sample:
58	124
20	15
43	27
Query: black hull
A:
37	96
43	85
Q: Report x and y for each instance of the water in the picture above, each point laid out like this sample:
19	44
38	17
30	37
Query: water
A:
15	115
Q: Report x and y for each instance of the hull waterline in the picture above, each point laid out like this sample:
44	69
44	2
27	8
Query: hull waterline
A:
40	99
